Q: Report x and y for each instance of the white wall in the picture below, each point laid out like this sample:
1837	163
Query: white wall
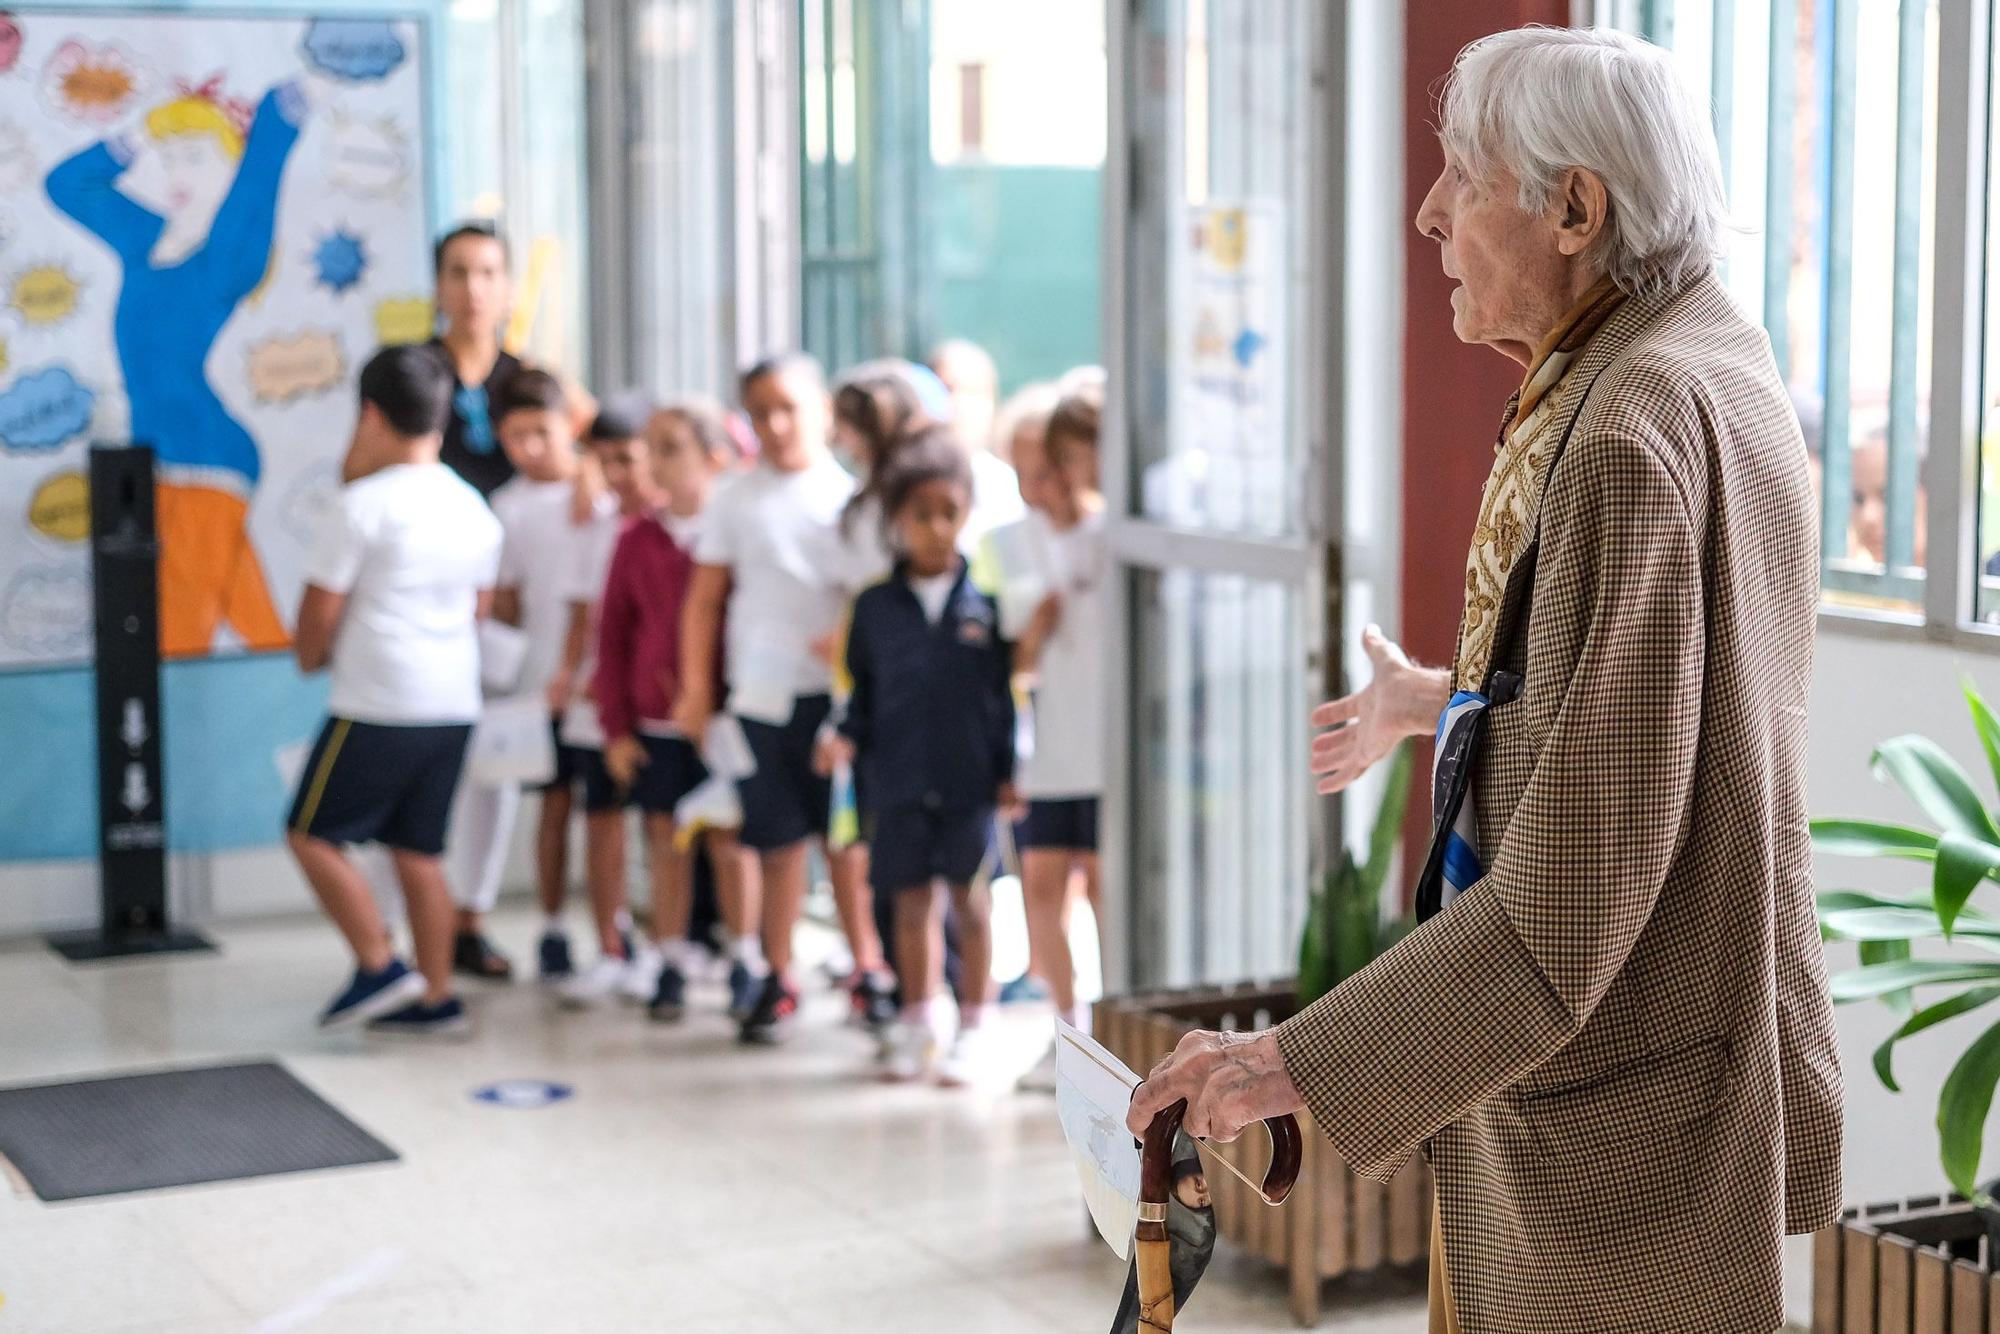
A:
1866	690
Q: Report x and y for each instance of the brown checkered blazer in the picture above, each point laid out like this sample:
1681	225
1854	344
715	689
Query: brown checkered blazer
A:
1618	1047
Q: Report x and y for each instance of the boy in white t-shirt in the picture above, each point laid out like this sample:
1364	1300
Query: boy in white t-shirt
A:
760	557
402	570
543	546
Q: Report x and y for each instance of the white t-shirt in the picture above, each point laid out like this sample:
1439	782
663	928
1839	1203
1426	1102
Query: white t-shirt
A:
933	592
1067	760
411	546
996	499
769	528
580	726
539	558
857	552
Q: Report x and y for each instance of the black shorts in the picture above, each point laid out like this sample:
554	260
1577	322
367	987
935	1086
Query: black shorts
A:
377	783
911	846
582	764
785	802
673	769
1069	825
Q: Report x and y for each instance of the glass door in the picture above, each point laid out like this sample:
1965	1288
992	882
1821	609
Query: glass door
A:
1223	235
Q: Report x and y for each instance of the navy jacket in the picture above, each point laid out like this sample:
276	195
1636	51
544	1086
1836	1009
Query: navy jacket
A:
931	714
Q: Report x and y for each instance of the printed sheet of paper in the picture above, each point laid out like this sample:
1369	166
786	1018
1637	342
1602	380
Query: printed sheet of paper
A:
1093	1089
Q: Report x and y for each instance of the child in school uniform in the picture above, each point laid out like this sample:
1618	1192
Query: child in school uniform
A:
759	559
1060	651
395	584
686	450
544	545
931	724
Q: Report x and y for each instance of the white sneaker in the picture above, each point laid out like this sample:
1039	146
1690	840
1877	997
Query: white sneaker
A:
1041	1076
909	1052
642	975
973	1062
594	984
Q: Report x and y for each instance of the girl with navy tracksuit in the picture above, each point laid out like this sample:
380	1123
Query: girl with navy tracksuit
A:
930	724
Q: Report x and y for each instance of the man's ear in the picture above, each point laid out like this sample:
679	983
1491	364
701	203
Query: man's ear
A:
1582	210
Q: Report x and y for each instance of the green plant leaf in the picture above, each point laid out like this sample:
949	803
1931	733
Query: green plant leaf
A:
1962	1109
1856	900
1872	980
1873	838
1963	1003
1985	723
1961	864
1901	924
1388	828
1900	1003
1315	977
1933	780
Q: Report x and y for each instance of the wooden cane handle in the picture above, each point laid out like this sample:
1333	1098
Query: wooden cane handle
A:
1286	1151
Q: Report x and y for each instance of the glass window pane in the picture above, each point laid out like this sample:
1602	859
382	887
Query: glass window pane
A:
1217	428
1219	800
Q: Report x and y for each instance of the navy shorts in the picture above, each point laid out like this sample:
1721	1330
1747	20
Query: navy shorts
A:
377	783
785	802
673	769
582	764
1069	825
911	846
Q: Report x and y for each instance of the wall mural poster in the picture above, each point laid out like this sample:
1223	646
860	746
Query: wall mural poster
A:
204	221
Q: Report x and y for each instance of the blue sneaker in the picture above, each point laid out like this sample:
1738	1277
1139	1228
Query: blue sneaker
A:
744	989
1027	989
446	1019
372	994
554	958
669	1001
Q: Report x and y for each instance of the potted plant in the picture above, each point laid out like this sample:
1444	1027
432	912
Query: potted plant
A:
1335	1223
1960	847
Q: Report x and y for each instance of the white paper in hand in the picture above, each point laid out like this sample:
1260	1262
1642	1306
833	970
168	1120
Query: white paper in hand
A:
1093	1091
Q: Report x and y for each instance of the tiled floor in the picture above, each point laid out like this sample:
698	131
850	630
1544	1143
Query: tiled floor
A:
689	1185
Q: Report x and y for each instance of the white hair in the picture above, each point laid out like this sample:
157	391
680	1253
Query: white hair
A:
1539	101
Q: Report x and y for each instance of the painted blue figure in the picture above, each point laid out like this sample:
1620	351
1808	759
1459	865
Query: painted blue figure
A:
189	260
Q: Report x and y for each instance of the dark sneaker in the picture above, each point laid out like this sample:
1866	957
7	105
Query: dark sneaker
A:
372	994
473	955
1027	989
446	1019
776	1003
874	1001
744	988
669	1001
553	962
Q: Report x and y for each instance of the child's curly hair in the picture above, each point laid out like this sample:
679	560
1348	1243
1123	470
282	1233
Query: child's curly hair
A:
926	451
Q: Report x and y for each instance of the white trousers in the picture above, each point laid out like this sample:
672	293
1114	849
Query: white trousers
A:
477	843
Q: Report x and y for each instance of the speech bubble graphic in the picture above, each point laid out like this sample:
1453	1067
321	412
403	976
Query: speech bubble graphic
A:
10	42
404	319
60	507
46	612
91	84
43	410
341	260
282	369
369	159
44	295
354	49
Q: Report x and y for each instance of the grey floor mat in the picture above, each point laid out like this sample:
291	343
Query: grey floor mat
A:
111	1135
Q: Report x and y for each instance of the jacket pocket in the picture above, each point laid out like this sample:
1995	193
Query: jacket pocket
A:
1651	1099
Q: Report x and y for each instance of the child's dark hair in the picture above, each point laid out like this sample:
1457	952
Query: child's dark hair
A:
780	363
705	421
412	385
928	452
1077	418
530	391
615	425
883	408
484	229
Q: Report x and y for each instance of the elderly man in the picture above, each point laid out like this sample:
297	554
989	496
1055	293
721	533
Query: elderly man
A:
1612	1035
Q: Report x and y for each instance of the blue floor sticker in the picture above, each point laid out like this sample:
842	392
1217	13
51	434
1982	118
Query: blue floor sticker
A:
523	1093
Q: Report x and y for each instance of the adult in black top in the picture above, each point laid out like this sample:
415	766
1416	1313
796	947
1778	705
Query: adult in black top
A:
473	295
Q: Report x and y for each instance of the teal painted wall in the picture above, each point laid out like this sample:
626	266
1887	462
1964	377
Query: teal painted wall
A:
1018	265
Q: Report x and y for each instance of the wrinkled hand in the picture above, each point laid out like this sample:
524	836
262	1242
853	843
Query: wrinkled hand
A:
1230	1080
1402	700
624	757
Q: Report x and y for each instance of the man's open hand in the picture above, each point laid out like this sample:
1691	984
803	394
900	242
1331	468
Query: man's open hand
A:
1230	1080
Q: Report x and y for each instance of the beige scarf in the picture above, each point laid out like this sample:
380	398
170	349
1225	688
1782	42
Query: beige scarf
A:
1513	494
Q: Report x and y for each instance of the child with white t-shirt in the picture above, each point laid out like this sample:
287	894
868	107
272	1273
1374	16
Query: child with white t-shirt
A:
401	572
760	558
543	547
1060	649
